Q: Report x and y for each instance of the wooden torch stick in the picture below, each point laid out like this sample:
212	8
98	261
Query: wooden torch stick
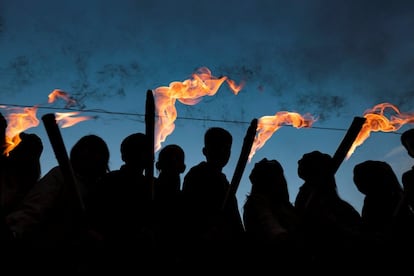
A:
62	158
149	132
347	142
241	163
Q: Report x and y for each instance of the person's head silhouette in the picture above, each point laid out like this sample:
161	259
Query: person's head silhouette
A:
315	166
374	177
217	146
90	157
407	140
26	155
170	164
171	160
134	150
267	177
30	147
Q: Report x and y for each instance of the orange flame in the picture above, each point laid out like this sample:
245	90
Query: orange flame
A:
57	93
64	119
267	125
18	120
189	92
376	121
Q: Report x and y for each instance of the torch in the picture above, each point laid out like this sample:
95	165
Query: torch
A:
149	132
347	142
62	158
241	163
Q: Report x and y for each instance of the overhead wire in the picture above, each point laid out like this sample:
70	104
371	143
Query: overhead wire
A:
122	113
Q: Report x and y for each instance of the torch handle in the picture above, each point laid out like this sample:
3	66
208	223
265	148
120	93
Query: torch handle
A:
61	155
347	142
149	132
241	163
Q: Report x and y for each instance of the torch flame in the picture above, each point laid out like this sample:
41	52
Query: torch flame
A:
376	121
64	119
189	92
18	120
267	125
57	93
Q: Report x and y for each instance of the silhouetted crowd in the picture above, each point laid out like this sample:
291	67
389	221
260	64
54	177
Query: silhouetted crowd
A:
122	222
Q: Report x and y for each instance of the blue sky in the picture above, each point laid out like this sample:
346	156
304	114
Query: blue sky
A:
333	59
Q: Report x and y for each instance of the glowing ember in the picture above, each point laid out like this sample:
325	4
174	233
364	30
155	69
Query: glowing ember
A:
267	125
376	121
18	120
188	92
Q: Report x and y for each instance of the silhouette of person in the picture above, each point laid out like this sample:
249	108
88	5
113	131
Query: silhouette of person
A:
332	227
22	171
213	232
378	182
170	164
48	221
385	231
122	210
168	210
407	140
273	228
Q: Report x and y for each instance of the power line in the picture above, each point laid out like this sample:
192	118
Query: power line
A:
103	111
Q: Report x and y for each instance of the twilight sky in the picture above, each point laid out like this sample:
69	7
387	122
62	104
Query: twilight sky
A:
333	59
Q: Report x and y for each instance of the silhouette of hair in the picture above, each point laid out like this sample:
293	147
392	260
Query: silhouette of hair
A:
314	164
216	136
26	155
407	140
217	146
267	177
407	136
171	157
30	147
133	149
263	169
90	154
375	177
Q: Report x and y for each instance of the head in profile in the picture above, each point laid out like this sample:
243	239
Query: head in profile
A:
134	151
90	157
217	146
267	178
407	140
